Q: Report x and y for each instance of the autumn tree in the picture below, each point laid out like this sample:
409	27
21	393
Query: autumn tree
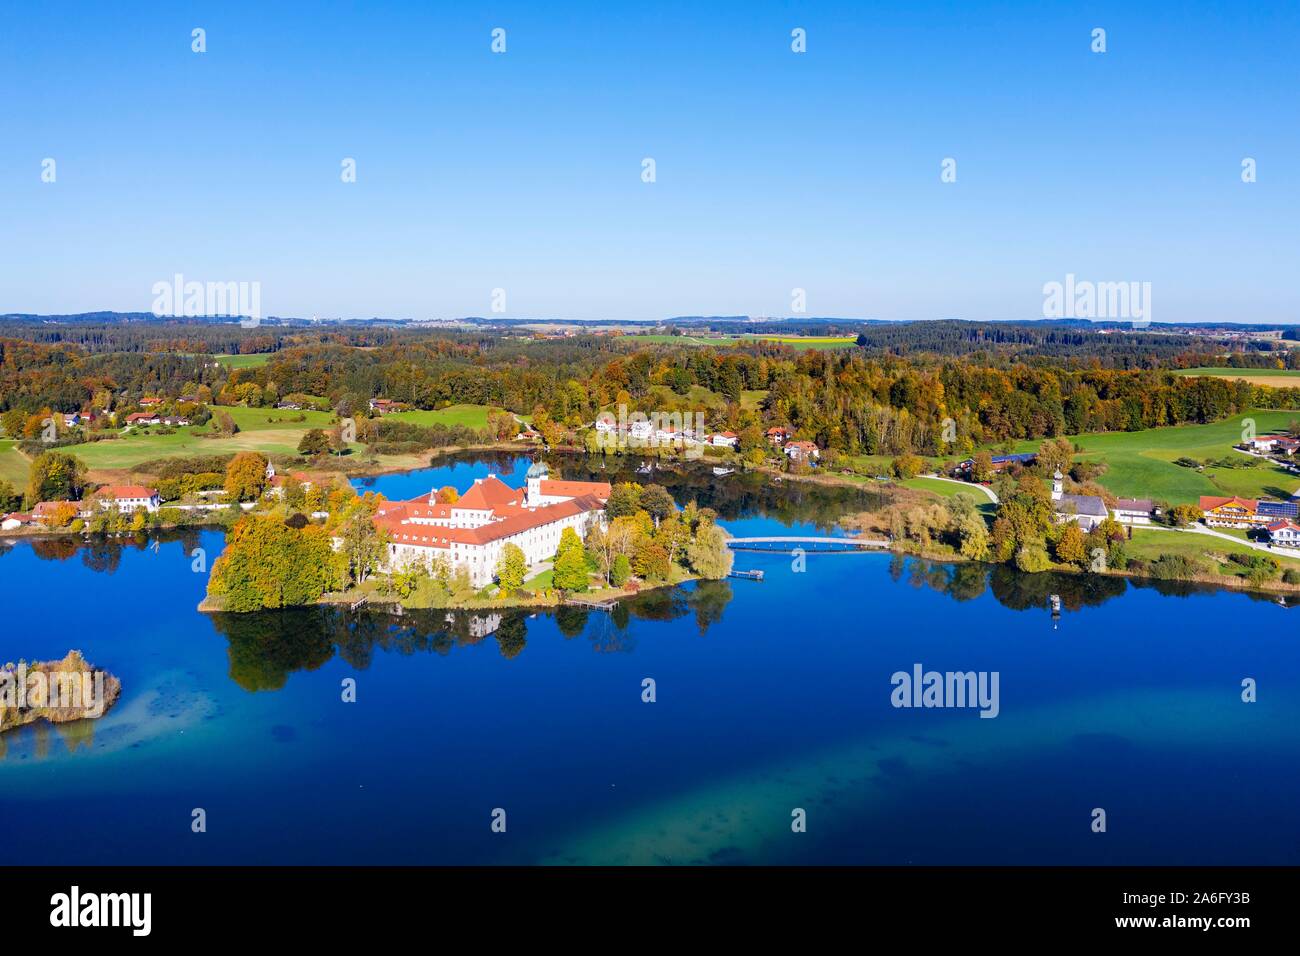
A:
268	564
246	476
907	466
55	476
1071	547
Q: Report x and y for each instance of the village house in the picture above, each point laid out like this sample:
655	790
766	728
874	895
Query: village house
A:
275	483
1246	512
1230	512
802	451
45	511
1133	510
472	531
382	406
127	498
1087	511
778	436
15	520
1284	533
150	401
723	440
143	418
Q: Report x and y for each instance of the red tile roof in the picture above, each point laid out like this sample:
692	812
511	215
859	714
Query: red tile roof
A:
433	536
489	493
575	489
1210	503
127	491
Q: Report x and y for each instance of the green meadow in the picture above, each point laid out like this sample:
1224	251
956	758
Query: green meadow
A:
1150	544
13	466
244	361
267	430
468	416
1141	464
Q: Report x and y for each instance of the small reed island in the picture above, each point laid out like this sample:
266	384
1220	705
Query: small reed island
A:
56	691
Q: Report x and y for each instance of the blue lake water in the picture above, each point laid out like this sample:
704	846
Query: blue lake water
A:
772	696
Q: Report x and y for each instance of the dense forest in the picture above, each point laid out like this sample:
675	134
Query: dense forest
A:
859	399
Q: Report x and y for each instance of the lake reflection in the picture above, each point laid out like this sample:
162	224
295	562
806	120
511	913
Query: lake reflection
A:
770	695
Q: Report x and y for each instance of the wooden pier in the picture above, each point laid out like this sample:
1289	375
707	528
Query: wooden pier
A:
587	602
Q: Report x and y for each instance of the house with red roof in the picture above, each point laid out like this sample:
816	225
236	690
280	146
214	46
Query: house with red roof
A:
802	451
473	531
1284	533
127	498
15	520
1230	512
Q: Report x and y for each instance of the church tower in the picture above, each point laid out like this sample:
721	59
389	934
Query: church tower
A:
1056	485
537	472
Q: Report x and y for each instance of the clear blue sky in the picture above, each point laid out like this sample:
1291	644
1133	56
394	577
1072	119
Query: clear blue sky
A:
774	170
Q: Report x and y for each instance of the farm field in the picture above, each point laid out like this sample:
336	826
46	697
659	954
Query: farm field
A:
1141	464
1272	377
244	361
279	436
13	466
469	416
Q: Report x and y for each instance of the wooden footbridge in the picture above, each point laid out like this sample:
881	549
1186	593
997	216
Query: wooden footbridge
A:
807	544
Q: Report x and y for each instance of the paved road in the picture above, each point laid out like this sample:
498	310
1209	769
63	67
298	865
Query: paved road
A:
992	495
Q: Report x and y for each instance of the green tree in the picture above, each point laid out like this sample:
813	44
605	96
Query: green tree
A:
511	569
314	442
362	545
708	554
656	501
621	571
10	498
624	500
570	571
973	536
55	476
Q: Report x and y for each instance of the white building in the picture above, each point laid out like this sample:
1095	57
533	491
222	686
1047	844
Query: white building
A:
1087	511
126	498
473	531
1133	510
1284	533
